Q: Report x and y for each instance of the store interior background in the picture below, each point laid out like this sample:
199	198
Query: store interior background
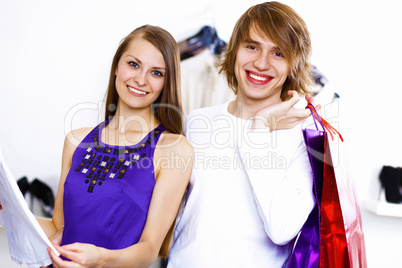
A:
55	58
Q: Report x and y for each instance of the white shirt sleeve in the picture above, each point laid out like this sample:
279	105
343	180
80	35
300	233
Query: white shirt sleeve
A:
280	174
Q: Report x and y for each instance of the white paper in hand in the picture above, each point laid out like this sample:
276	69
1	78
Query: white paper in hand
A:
27	241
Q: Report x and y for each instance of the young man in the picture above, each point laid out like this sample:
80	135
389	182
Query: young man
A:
251	187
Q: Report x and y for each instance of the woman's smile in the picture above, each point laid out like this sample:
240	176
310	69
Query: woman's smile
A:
137	92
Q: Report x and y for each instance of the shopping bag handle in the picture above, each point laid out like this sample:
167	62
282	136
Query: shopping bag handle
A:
325	125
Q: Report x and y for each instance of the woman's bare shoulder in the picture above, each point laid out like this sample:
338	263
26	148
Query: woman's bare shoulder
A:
176	143
74	137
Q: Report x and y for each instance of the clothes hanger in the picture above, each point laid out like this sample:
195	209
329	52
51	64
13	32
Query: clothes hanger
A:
207	37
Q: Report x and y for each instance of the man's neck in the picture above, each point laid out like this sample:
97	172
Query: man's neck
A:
247	108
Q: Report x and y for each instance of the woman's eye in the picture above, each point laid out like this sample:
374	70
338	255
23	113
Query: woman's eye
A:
133	63
157	73
251	47
278	54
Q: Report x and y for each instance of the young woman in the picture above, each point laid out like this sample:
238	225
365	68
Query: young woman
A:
122	182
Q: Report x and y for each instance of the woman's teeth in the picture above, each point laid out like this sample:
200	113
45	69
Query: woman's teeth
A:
137	91
259	78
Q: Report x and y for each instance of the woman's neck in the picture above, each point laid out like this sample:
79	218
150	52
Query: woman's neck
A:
138	120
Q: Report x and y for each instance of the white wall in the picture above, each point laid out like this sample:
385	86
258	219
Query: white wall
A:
55	58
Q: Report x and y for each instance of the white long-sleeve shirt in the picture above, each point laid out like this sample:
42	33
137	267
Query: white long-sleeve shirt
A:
250	193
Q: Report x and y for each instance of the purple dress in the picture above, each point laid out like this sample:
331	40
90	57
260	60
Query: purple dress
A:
108	190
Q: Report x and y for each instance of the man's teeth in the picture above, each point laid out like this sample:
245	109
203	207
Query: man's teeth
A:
256	77
136	91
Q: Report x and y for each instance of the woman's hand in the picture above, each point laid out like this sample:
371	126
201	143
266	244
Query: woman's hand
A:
283	115
81	255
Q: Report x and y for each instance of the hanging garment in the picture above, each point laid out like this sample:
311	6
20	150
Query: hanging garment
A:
201	83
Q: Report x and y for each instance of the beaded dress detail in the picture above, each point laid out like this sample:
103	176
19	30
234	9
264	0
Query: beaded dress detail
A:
108	190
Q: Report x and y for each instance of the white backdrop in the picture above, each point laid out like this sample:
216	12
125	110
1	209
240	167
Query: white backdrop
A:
55	58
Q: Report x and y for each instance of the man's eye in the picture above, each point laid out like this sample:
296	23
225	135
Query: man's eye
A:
278	54
251	47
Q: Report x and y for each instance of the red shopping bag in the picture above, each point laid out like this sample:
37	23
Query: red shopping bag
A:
341	234
333	244
332	236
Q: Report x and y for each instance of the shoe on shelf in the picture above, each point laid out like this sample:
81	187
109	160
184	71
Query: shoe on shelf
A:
45	196
391	179
23	185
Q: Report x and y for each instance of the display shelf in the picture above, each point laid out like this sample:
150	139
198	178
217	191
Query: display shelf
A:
382	208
